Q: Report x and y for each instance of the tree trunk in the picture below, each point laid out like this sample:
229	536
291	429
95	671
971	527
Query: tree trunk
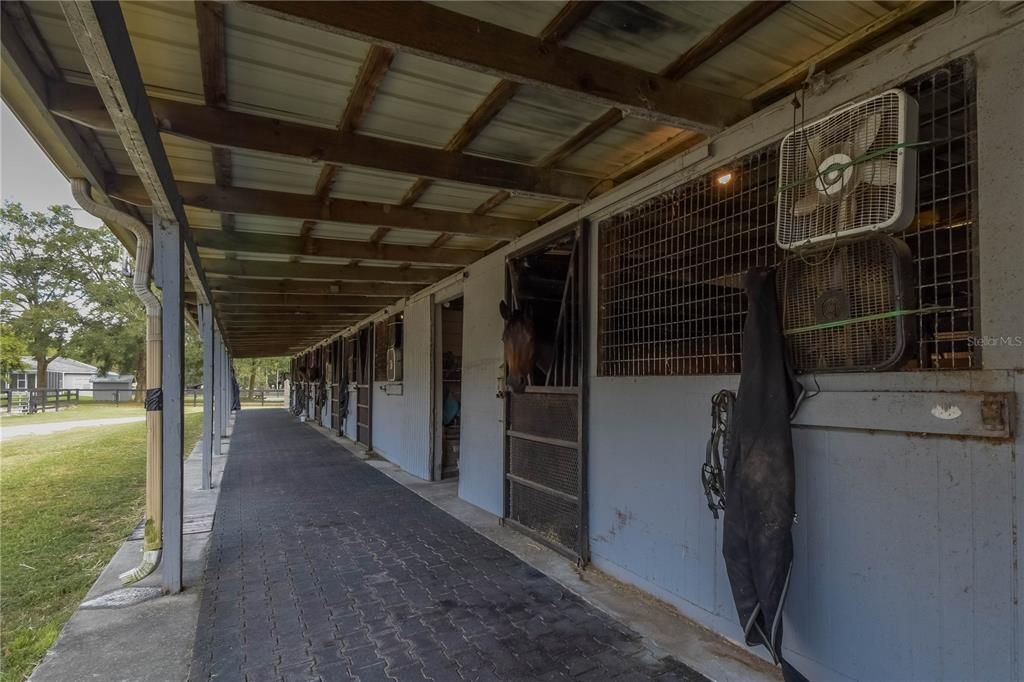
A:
42	364
252	382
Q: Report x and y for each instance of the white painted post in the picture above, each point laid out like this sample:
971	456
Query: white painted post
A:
217	404
170	262
206	329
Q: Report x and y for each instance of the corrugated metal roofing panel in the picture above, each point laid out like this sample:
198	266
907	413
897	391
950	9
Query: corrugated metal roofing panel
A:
367	184
624	142
792	35
166	46
524	17
359	233
287	70
276	173
53	27
524	208
409	237
425	102
111	144
534	123
649	36
472	243
454	196
202	220
190	161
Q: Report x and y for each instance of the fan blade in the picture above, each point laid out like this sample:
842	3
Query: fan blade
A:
878	172
812	146
865	133
806	204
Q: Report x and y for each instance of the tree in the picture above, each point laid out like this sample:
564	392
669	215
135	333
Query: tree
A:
12	350
259	372
49	268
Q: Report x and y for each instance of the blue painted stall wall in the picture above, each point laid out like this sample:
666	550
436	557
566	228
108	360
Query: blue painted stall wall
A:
481	457
401	423
904	545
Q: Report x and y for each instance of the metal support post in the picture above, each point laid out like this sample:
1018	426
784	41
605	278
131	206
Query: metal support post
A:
170	268
215	393
206	329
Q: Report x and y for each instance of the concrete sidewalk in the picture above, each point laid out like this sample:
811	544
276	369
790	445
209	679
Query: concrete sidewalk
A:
45	428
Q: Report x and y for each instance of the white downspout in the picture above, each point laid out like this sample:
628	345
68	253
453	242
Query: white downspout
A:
153	540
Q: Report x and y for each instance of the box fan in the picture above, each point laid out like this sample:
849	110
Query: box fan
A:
847	312
848	174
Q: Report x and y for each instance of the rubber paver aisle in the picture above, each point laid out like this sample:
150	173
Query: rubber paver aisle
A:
321	567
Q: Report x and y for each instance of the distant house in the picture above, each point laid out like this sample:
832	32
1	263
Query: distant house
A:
61	373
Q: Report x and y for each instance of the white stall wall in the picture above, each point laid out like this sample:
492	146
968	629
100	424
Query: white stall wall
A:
481	457
401	423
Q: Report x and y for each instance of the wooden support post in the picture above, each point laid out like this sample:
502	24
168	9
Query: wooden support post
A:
169	259
216	402
206	329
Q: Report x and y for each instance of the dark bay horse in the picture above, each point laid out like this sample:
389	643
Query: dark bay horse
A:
528	350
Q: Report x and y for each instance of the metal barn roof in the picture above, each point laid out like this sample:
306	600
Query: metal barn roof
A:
303	135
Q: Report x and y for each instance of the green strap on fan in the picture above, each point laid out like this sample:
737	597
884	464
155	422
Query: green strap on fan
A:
865	318
853	162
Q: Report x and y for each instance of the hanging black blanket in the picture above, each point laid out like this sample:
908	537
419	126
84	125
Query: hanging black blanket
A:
757	542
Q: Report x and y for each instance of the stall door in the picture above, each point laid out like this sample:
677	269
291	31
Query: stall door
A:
545	453
364	384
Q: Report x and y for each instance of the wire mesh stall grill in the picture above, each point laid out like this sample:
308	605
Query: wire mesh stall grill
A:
670	270
944	234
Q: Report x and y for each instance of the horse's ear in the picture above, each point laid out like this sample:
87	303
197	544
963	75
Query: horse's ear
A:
503	309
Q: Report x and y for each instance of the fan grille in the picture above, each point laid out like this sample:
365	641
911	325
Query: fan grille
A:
811	209
860	279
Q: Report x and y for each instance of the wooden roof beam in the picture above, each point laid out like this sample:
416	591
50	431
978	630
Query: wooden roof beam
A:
222	128
252	242
303	301
285	286
212	61
732	29
303	207
346	273
371	74
568	18
447	36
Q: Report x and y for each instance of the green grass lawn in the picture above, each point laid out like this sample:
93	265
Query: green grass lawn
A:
86	410
66	504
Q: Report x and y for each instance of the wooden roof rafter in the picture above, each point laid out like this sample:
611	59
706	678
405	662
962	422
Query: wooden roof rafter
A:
371	74
225	128
212	62
303	207
440	34
572	14
747	18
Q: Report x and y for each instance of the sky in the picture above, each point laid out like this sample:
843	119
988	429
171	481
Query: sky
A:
28	176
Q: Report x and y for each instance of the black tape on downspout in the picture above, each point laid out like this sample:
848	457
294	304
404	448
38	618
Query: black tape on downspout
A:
154	399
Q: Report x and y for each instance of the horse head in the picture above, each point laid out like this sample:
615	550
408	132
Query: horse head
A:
520	339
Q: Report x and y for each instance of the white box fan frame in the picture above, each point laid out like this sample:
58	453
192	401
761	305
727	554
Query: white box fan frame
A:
848	174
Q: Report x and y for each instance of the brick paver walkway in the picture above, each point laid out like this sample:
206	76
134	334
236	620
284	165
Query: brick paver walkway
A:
321	567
